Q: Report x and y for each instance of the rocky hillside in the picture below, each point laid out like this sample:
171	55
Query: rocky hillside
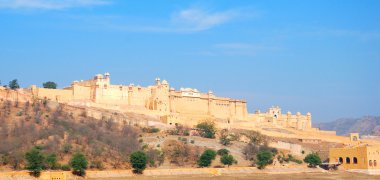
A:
367	125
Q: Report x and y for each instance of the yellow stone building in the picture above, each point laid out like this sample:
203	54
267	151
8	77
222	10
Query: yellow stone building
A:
356	155
184	106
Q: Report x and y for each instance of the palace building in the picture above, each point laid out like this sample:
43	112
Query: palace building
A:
184	106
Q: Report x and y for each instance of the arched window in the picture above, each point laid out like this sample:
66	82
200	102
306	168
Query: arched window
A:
348	160
370	162
355	138
341	160
374	163
355	160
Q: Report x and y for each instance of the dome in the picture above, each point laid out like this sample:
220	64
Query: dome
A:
99	76
164	82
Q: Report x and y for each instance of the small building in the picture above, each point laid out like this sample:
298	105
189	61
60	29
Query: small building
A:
356	155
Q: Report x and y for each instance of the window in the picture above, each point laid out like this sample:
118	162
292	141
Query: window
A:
341	160
348	160
370	162
355	160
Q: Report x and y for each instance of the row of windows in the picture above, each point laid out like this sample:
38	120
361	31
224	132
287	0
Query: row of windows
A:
355	161
348	160
222	104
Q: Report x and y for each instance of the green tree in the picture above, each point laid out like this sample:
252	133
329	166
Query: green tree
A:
51	161
313	160
263	159
222	152
227	160
79	164
138	160
35	161
207	129
14	84
50	85
206	158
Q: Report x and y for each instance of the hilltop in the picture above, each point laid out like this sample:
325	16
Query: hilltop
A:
366	125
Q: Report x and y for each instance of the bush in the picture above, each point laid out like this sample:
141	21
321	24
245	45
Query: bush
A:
264	158
227	160
151	130
67	148
97	165
207	129
206	158
51	161
222	152
19	113
224	138
138	160
192	141
35	161
313	160
65	167
79	164
50	85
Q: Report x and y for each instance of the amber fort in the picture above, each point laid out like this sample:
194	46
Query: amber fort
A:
173	106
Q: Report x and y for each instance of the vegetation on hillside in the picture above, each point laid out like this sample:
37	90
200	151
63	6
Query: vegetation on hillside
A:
313	160
60	132
206	158
207	129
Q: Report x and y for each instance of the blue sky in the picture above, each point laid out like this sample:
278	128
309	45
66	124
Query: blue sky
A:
318	56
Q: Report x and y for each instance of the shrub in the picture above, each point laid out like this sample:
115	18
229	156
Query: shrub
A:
250	151
264	158
19	113
51	161
313	160
192	141
65	167
206	158
224	138
150	129
79	164
97	165
207	129
66	148
138	160
50	85
35	161
222	152
227	160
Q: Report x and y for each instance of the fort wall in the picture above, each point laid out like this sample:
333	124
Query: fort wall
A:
176	106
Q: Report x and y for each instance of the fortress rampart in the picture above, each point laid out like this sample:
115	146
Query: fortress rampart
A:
184	106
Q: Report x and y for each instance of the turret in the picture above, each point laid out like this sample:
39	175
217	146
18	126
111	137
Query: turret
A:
165	84
158	81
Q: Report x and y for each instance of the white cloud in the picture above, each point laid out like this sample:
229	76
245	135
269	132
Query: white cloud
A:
198	19
49	4
183	21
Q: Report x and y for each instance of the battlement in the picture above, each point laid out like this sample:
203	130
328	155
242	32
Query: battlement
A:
177	105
